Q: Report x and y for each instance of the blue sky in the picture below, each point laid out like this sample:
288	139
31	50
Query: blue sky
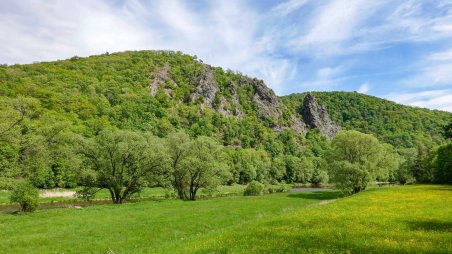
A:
399	50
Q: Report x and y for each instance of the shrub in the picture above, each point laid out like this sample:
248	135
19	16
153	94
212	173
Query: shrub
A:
87	194
254	188
26	195
282	187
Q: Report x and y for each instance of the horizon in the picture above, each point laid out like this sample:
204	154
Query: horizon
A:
396	51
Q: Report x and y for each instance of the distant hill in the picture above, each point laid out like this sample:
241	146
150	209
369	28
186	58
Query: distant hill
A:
393	123
162	91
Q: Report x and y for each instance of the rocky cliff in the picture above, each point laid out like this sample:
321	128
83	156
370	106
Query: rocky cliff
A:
265	103
316	116
165	91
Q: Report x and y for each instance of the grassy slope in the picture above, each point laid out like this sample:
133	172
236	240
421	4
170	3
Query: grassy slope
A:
408	219
395	219
135	227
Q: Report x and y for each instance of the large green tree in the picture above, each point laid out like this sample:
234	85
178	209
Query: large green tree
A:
195	164
356	159
178	149
123	162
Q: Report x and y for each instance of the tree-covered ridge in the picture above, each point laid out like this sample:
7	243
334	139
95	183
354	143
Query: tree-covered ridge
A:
399	125
46	106
52	113
157	91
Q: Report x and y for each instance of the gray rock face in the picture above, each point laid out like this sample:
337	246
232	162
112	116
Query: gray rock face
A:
206	86
266	102
316	116
158	78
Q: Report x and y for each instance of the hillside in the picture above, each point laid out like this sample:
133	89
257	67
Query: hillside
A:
399	125
162	91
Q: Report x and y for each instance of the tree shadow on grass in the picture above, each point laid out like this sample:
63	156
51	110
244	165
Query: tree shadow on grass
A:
320	195
431	225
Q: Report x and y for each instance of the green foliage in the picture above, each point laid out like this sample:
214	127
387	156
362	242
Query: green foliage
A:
250	164
398	125
356	159
448	130
122	162
44	106
26	195
320	172
254	188
351	178
195	164
444	163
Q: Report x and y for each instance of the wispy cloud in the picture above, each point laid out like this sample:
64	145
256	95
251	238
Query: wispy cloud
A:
433	99
364	88
434	71
289	7
293	45
441	56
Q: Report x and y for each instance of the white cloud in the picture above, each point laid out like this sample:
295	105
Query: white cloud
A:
431	74
329	72
31	30
433	99
289	7
223	33
364	88
306	50
332	25
441	56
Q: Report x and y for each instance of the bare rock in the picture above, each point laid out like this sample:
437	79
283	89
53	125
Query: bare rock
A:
206	86
316	116
159	78
266	101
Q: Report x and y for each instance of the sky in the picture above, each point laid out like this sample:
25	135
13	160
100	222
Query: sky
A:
398	50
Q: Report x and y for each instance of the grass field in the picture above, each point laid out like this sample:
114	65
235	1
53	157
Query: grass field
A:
405	219
235	189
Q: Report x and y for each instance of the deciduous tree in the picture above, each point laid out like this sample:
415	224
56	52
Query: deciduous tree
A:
123	162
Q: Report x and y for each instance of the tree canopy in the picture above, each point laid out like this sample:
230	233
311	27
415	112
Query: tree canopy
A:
356	159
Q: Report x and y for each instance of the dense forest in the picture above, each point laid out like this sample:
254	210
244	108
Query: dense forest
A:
60	122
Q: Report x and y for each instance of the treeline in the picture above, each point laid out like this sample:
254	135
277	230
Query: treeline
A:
42	146
48	153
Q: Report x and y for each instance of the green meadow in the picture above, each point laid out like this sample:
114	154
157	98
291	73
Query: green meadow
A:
400	219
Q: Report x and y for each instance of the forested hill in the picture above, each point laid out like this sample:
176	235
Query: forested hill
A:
399	125
161	91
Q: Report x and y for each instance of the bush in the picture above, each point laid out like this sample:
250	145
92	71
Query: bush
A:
87	194
254	188
26	195
282	187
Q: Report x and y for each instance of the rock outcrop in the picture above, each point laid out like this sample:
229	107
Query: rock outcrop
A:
206	91
206	86
266	101
158	78
316	116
